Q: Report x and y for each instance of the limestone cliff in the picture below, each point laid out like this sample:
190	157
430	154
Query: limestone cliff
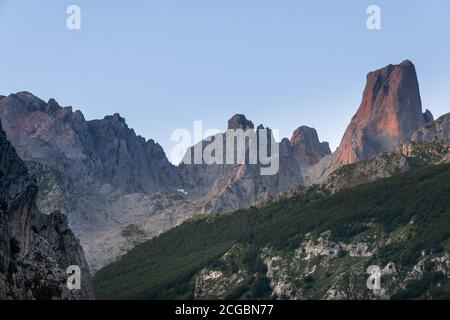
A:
35	249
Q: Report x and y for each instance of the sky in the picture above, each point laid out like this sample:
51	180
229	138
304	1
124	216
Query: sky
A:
163	64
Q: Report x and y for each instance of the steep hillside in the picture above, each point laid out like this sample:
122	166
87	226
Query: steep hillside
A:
310	246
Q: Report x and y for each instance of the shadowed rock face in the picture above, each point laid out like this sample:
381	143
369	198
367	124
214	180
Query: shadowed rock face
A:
35	249
434	130
390	112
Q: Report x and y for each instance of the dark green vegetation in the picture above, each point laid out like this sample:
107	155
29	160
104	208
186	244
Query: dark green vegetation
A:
164	267
433	284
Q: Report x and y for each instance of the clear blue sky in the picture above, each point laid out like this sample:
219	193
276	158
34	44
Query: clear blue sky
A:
163	64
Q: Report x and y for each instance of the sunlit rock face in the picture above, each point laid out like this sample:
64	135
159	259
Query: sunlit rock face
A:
390	112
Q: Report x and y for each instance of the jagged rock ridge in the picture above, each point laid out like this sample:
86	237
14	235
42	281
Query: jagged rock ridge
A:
99	173
225	187
97	152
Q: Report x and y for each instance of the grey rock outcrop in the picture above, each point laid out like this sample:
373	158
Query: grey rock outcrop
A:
434	130
90	153
35	249
307	148
99	173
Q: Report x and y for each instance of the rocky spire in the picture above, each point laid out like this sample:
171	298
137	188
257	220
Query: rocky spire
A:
390	112
306	147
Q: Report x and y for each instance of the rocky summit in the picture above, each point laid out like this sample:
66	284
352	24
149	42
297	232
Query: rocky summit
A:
307	148
390	112
239	121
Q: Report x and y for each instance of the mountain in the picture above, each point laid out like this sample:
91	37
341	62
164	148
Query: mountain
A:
118	190
390	113
380	199
307	148
228	187
99	173
35	249
98	151
313	245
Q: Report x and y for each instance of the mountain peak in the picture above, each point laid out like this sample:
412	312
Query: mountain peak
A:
407	62
390	112
25	94
302	133
115	118
428	116
239	121
306	146
24	99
